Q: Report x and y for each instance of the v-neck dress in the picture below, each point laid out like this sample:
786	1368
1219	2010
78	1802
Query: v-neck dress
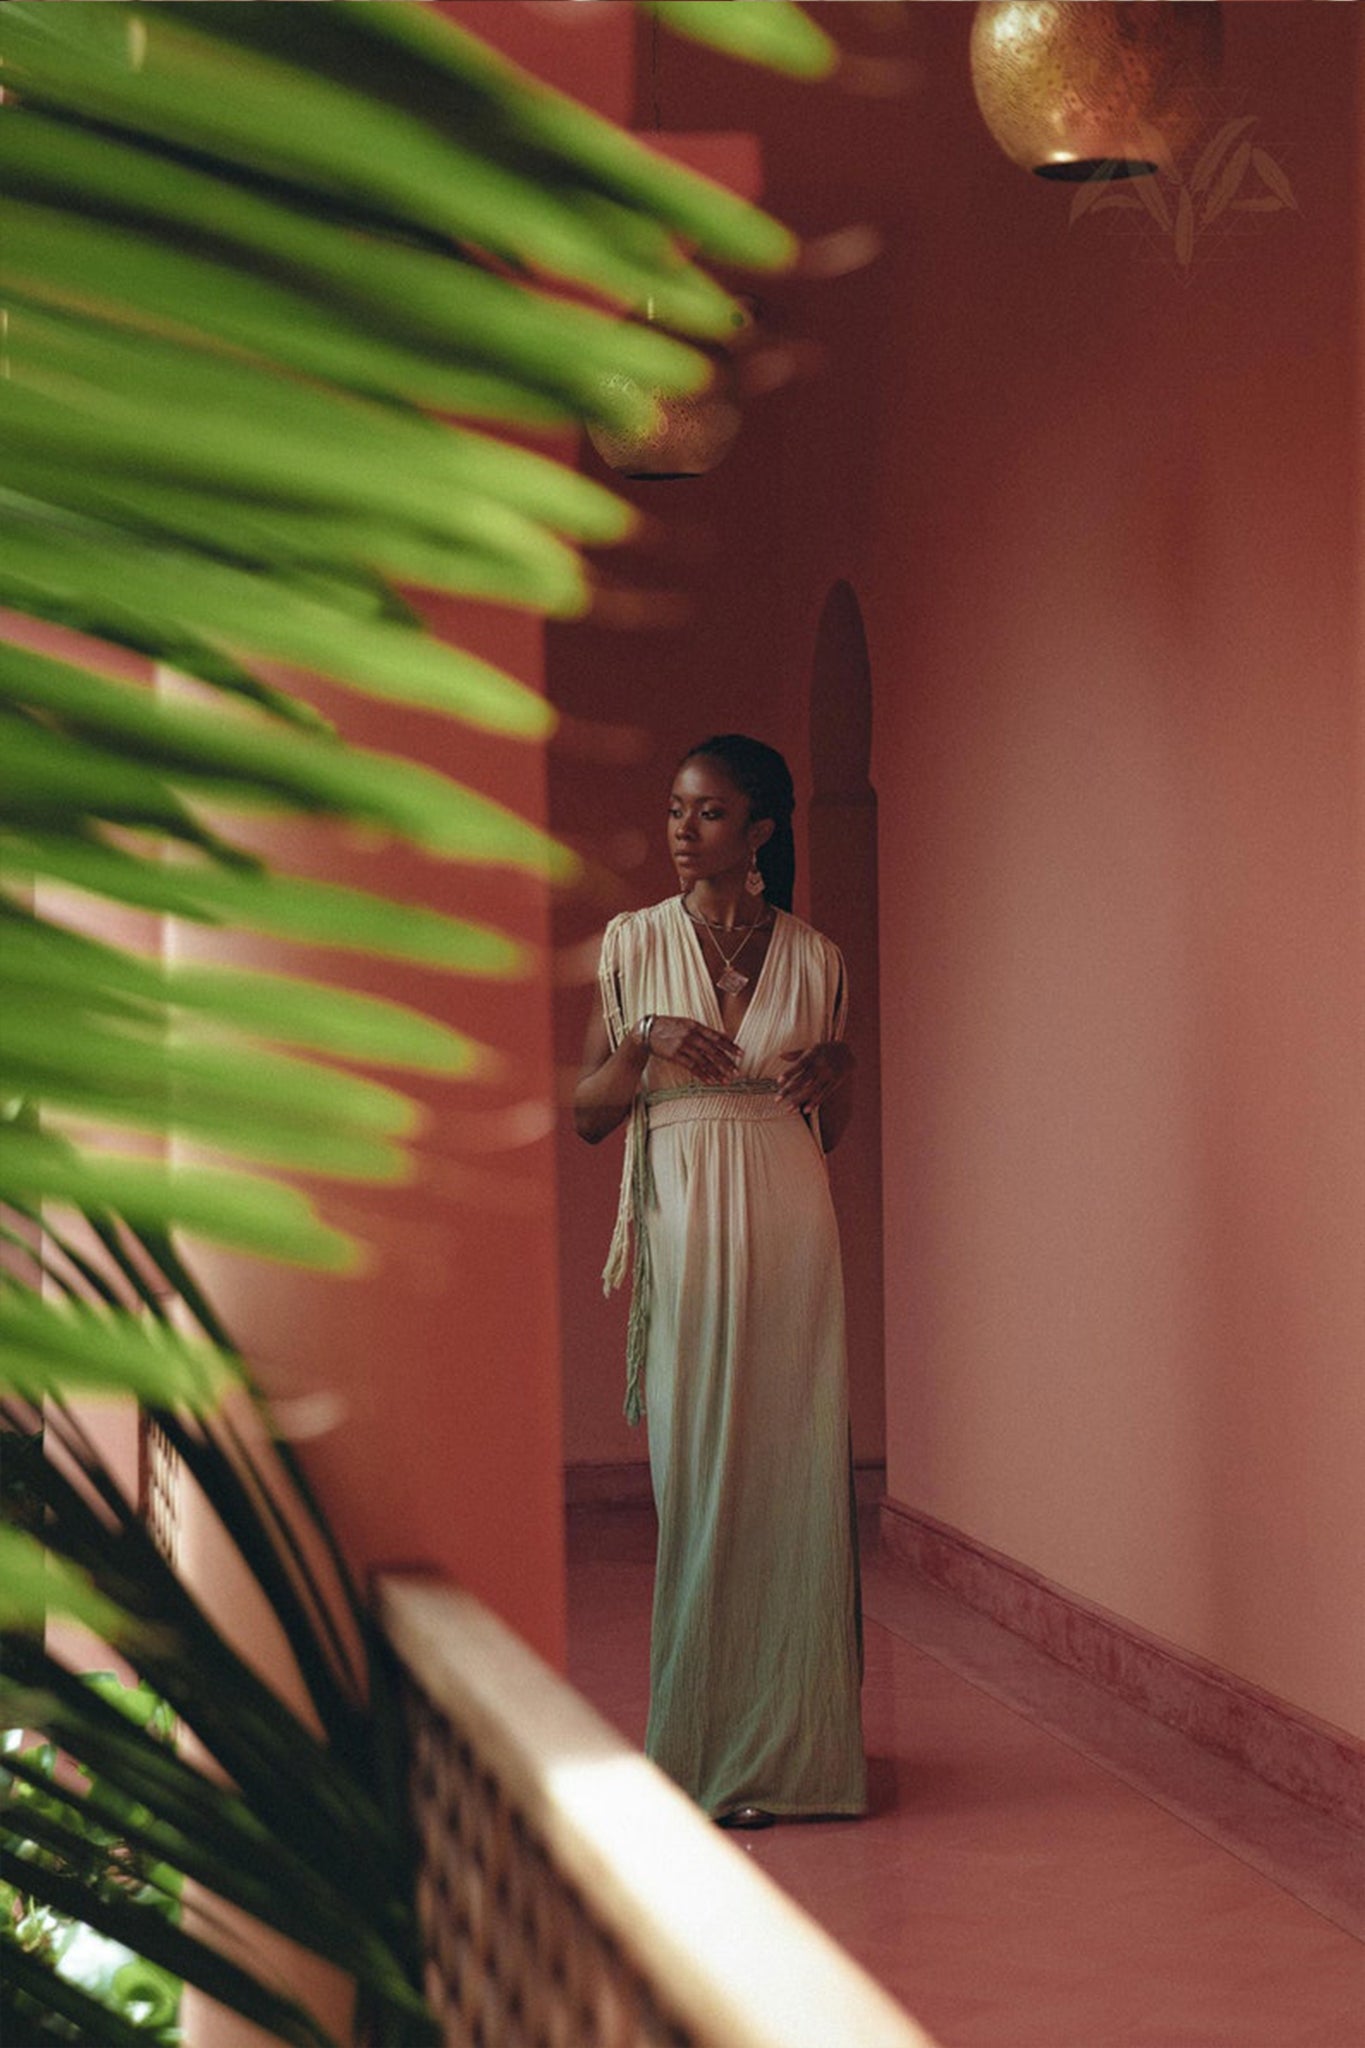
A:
737	1346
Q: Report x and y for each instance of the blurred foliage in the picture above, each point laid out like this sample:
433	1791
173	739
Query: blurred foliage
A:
271	271
76	1826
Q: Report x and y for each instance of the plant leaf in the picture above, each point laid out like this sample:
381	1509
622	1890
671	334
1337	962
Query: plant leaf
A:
46	778
35	1585
316	772
527	111
27	1976
155	406
779	36
236	1209
106	1352
430	302
80	266
37	955
244	1864
99	570
293	125
145	1930
320	913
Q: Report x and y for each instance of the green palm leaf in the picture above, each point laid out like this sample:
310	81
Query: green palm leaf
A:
157	1364
780	36
319	913
249	251
33	1584
292	124
248	754
28	1984
236	1209
39	956
139	403
547	353
102	571
143	1928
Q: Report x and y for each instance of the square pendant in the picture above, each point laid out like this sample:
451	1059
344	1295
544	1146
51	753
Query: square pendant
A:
732	981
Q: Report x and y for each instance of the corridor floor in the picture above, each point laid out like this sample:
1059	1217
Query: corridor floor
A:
1042	1867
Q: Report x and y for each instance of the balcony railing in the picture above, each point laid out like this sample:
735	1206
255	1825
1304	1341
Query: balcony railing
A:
571	1897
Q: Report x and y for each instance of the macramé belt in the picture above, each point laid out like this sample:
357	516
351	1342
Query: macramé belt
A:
737	1102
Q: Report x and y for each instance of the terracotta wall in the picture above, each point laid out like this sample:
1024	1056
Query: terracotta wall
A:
742	563
1115	629
427	1386
1102	514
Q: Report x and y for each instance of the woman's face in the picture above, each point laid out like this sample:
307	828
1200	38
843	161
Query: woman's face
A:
709	833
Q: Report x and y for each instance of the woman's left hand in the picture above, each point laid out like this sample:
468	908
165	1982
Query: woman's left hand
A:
813	1074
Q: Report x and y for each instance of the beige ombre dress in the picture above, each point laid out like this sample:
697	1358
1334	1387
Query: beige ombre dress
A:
737	1346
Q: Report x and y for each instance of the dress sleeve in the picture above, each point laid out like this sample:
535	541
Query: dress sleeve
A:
611	981
629	1251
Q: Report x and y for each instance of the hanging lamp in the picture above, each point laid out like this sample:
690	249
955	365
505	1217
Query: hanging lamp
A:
680	436
1082	88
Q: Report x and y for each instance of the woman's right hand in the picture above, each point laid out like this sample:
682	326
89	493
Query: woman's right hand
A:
682	1040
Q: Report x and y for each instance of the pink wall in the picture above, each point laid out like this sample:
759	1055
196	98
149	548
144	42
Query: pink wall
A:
1103	517
746	557
436	1370
1115	605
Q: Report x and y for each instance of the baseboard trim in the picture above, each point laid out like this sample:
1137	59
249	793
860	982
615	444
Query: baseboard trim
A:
1320	1765
626	1485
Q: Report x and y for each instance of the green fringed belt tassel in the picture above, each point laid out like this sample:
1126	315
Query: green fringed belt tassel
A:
630	1221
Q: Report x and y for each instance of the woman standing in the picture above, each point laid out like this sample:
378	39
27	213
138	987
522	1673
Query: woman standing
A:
721	1038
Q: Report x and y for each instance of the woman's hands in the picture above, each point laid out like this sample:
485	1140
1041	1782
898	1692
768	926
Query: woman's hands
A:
708	1054
609	1080
813	1074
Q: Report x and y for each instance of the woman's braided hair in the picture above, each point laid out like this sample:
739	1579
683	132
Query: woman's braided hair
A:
763	776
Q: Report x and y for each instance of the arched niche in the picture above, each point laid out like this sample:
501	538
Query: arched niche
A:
843	899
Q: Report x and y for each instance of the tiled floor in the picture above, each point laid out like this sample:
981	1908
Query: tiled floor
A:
1042	1867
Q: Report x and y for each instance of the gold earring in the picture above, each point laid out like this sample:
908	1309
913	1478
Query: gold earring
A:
753	881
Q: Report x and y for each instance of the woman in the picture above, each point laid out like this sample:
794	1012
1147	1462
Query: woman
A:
721	1040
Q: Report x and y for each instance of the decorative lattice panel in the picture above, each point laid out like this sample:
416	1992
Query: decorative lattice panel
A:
570	1896
515	1958
158	1486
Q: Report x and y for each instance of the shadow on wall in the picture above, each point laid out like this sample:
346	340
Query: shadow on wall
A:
843	902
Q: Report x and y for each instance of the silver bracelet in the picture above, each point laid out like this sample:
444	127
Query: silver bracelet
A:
644	1027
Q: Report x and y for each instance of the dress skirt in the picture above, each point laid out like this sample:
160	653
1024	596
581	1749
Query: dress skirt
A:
756	1641
737	1344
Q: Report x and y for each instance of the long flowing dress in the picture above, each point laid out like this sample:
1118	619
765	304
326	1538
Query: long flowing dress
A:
737	1334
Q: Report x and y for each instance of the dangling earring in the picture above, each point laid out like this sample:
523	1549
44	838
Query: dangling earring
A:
753	881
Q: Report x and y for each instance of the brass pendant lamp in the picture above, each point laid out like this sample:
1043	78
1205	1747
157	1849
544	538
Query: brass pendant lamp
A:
1081	88
679	436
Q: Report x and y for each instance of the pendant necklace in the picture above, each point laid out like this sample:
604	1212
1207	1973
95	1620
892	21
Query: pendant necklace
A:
730	980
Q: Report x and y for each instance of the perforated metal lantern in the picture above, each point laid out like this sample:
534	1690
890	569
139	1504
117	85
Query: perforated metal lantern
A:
1080	88
684	436
681	436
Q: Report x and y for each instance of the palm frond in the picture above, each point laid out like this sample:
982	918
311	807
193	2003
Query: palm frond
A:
269	270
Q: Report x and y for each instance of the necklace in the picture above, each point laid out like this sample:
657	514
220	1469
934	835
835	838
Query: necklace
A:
741	925
730	980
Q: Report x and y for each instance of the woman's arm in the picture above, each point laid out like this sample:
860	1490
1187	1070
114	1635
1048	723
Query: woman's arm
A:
821	1077
606	1087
